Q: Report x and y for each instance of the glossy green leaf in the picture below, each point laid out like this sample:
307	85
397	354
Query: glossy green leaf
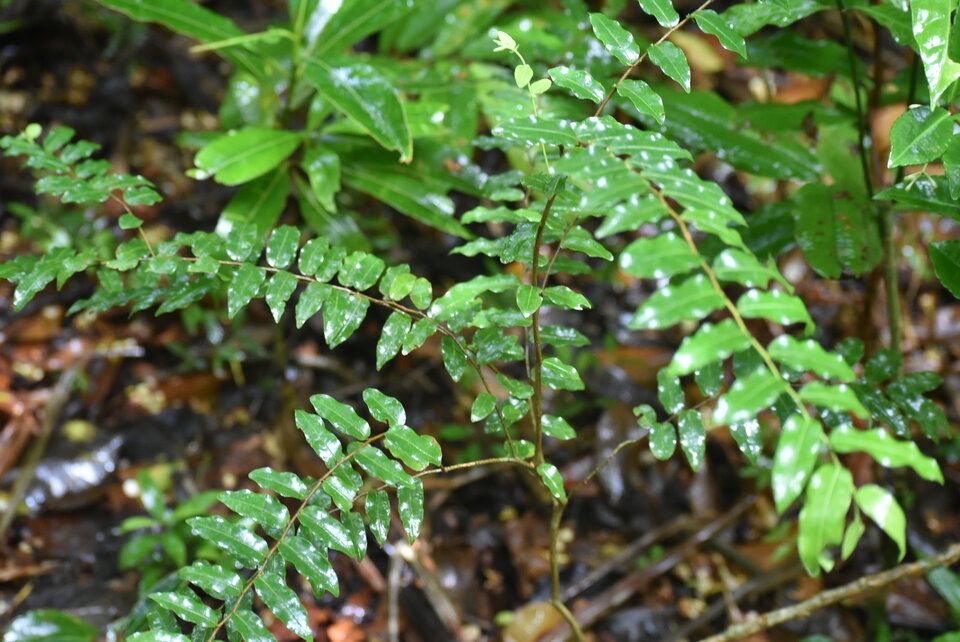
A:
558	375
359	92
282	246
343	417
318	259
835	230
776	306
271	585
418	334
187	606
920	135
945	256
801	441
691	300
716	25
322	167
243	242
528	299
808	355
53	625
416	451
708	221
672	61
644	98
670	392
851	538
931	29
279	290
310	301
311	562
617	40
377	511
482	406
531	130
212	579
462	295
710	379
244	286
343	314
748	396
266	510
283	483
580	83
882	408
243	545
376	463
662	11
557	427
693	437
883	366
522	74
392	336
328	530
553	480
906	394
564	297
249	627
748	438
823	516
839	398
658	257
335	26
711	343
245	154
882	507
663	440
454	358
360	270
928	194
410	507
384	408
737	266
888	451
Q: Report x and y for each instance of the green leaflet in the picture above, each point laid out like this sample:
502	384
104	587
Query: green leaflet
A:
360	270
51	624
886	450
580	83
693	437
670	392
242	155
776	306
553	480
672	61
529	299
410	507
392	336
658	257
617	40
644	98
808	355
712	23
283	483
376	463
557	427
840	398
416	451
212	579
931	29
738	266
266	510
748	396
187	606
823	516
661	10
663	440
271	585
835	231
312	562
711	343
344	312
384	408
945	256
920	135
691	300
241	544
364	96
282	246
801	441
343	417
377	511
882	507
323	442
329	531
748	438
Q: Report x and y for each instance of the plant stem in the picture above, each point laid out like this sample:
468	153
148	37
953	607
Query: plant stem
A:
536	410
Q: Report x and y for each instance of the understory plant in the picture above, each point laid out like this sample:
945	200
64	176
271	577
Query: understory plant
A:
600	129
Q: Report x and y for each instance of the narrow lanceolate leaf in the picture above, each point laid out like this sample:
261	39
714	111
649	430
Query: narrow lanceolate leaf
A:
266	510
244	546
243	155
882	507
416	451
580	83
711	343
617	40
800	443
714	24
212	579
741	267
840	398
920	135
823	516
659	257
557	427
553	480
392	334
886	450
377	510
672	61
283	483
311	562
360	270
272	588
776	306
808	355
244	286
644	98
693	437
931	28
187	606
278	292
529	299
691	300
343	417
323	442
384	408
661	10
747	397
310	301
410	507
343	314
362	94
282	246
